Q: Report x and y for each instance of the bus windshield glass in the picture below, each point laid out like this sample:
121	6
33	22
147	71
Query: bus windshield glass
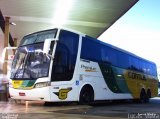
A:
38	37
29	61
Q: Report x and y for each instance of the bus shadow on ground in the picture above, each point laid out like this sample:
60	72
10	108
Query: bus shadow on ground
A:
94	109
119	108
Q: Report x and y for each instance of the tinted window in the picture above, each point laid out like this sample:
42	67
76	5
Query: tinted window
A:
65	56
91	49
109	55
96	51
122	59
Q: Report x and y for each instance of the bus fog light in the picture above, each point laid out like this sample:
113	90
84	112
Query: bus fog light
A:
42	84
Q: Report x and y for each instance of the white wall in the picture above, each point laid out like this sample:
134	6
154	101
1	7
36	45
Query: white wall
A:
1	49
10	52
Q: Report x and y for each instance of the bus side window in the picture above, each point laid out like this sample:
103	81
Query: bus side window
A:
57	58
65	56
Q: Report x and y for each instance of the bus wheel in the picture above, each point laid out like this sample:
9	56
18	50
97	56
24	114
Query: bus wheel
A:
148	95
86	95
143	96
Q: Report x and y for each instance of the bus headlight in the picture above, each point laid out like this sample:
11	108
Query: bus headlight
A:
42	84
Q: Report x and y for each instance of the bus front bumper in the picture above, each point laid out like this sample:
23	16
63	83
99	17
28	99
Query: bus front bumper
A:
42	94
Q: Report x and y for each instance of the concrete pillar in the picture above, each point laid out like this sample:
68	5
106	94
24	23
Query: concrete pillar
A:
6	40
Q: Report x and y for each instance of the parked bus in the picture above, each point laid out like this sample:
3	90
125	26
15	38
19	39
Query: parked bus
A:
60	65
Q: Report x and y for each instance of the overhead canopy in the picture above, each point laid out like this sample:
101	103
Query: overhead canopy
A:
91	17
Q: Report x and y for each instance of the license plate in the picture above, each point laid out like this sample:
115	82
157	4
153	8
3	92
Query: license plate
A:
22	94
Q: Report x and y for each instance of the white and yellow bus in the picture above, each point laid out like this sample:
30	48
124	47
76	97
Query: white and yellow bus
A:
60	65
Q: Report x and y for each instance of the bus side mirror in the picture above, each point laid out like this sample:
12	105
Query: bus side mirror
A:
46	47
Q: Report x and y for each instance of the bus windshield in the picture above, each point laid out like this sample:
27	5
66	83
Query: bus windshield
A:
30	63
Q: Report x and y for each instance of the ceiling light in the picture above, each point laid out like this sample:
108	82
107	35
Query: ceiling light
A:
63	8
12	23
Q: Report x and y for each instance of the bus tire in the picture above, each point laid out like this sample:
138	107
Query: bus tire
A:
143	96
148	95
86	95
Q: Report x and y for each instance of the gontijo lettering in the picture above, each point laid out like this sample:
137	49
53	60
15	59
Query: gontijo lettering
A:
133	75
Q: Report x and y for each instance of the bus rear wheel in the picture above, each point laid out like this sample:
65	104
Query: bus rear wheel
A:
143	96
148	95
86	95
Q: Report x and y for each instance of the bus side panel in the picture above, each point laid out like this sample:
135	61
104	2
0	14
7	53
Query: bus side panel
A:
136	81
126	81
124	73
65	91
92	73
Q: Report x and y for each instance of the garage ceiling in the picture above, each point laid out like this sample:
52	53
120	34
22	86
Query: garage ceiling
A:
91	17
